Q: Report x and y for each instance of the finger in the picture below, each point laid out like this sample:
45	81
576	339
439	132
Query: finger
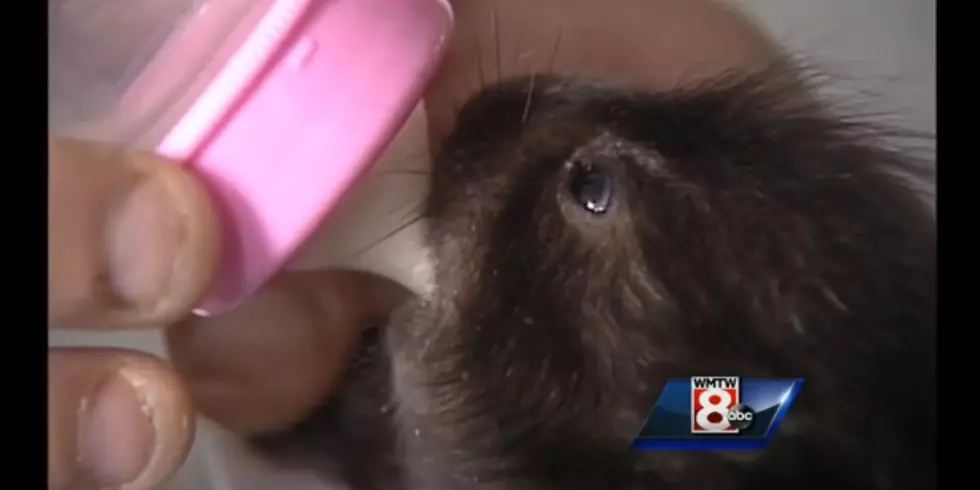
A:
270	362
116	419
131	237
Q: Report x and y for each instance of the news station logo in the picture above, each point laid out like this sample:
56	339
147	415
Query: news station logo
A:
717	412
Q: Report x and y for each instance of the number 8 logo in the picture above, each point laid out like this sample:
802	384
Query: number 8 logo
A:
706	399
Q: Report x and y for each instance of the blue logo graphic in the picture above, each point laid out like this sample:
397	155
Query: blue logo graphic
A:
717	413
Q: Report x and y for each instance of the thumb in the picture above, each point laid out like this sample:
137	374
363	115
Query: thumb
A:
132	238
269	363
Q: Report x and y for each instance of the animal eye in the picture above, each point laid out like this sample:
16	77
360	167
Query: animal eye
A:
592	187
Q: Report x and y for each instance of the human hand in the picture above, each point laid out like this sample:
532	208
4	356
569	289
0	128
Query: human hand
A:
133	243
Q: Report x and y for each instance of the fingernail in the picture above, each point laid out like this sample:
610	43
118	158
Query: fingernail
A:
116	434
145	238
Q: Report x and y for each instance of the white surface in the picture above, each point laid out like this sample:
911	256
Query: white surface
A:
886	47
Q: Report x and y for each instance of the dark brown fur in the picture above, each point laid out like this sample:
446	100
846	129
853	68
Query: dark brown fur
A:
752	232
